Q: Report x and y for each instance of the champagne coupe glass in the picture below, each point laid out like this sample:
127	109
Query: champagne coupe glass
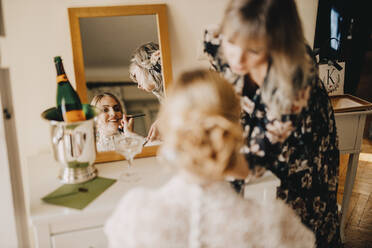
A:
128	144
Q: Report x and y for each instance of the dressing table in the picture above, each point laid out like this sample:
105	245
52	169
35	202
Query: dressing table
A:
57	227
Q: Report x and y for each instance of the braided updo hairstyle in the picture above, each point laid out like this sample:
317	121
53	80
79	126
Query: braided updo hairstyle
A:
200	122
147	59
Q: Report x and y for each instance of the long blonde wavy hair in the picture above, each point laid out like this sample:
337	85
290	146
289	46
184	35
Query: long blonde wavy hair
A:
278	25
200	122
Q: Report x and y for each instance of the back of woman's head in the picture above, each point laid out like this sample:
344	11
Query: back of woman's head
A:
200	122
277	24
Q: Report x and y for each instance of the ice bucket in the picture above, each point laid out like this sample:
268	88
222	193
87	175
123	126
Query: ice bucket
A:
73	145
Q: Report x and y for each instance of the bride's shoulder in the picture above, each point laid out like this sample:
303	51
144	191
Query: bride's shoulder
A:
149	199
268	211
286	227
132	200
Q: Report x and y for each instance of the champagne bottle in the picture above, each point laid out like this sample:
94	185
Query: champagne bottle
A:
68	101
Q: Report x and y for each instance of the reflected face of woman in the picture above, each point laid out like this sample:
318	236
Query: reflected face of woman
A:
244	58
110	116
144	80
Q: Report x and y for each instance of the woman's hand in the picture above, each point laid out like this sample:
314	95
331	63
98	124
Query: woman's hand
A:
126	124
154	132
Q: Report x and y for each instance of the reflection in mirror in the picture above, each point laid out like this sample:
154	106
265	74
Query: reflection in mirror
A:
125	55
117	50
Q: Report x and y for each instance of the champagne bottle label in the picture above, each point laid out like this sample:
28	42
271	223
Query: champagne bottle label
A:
74	115
62	78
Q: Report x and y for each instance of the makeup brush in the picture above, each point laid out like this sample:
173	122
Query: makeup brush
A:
135	116
128	117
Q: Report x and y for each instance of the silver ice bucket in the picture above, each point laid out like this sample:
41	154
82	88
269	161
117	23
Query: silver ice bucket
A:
74	145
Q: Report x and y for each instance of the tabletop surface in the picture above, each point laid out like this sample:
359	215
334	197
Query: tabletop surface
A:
145	172
43	172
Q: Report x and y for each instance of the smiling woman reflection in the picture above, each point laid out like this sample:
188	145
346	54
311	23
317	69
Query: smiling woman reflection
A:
145	70
110	121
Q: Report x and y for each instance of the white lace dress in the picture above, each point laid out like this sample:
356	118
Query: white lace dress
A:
105	143
183	214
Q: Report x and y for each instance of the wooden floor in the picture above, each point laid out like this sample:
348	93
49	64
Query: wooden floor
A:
358	232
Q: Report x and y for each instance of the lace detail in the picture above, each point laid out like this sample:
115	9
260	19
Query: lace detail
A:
183	214
104	143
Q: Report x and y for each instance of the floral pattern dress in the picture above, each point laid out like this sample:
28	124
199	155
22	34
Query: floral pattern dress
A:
301	149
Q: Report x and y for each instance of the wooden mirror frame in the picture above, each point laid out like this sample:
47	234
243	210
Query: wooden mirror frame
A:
160	11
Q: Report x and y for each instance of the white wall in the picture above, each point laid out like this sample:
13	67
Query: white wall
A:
38	30
308	10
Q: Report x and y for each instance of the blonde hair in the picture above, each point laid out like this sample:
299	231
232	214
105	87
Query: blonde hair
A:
277	24
147	59
97	98
200	121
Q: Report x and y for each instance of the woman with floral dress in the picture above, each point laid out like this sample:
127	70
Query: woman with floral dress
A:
288	120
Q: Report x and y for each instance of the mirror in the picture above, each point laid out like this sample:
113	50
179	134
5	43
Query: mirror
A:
104	40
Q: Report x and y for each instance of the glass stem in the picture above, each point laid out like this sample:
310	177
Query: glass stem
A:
130	162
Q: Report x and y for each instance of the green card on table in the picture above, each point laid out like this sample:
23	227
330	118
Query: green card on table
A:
78	195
